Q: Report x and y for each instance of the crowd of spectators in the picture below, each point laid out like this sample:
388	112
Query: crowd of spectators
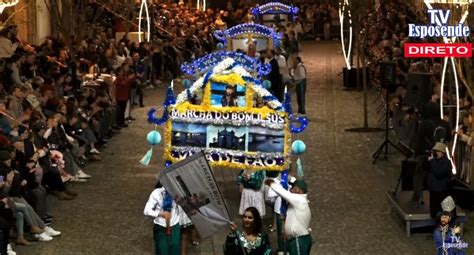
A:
384	32
414	91
320	20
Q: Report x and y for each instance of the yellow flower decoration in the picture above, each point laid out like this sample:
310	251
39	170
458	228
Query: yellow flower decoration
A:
231	79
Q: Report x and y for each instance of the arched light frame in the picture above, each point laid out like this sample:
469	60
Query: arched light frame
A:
450	153
143	5
274	8
5	4
346	53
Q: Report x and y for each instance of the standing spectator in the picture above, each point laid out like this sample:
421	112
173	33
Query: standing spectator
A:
15	67
438	178
299	75
7	46
123	85
430	126
15	102
275	77
283	66
298	216
294	49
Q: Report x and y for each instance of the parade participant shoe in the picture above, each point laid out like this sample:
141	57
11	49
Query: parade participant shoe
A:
21	241
36	230
195	243
49	217
10	250
43	237
51	232
82	175
116	128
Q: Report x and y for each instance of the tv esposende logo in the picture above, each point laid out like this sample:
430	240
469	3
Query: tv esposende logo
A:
439	28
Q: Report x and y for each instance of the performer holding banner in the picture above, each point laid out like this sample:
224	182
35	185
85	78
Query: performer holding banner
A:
193	187
165	211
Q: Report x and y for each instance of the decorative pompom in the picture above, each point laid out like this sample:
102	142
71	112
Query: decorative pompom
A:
187	83
153	138
298	147
267	84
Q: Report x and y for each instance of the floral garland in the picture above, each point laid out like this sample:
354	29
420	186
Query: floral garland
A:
225	65
228	72
231	79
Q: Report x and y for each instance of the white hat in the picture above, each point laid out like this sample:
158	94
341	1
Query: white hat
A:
448	204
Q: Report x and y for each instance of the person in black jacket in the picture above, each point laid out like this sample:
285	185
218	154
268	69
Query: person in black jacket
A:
438	178
275	77
36	148
33	192
6	220
431	129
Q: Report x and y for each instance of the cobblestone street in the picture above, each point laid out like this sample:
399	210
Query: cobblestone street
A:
350	211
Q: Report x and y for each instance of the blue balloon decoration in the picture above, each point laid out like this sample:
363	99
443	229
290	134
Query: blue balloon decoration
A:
267	84
220	46
187	83
154	137
298	147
